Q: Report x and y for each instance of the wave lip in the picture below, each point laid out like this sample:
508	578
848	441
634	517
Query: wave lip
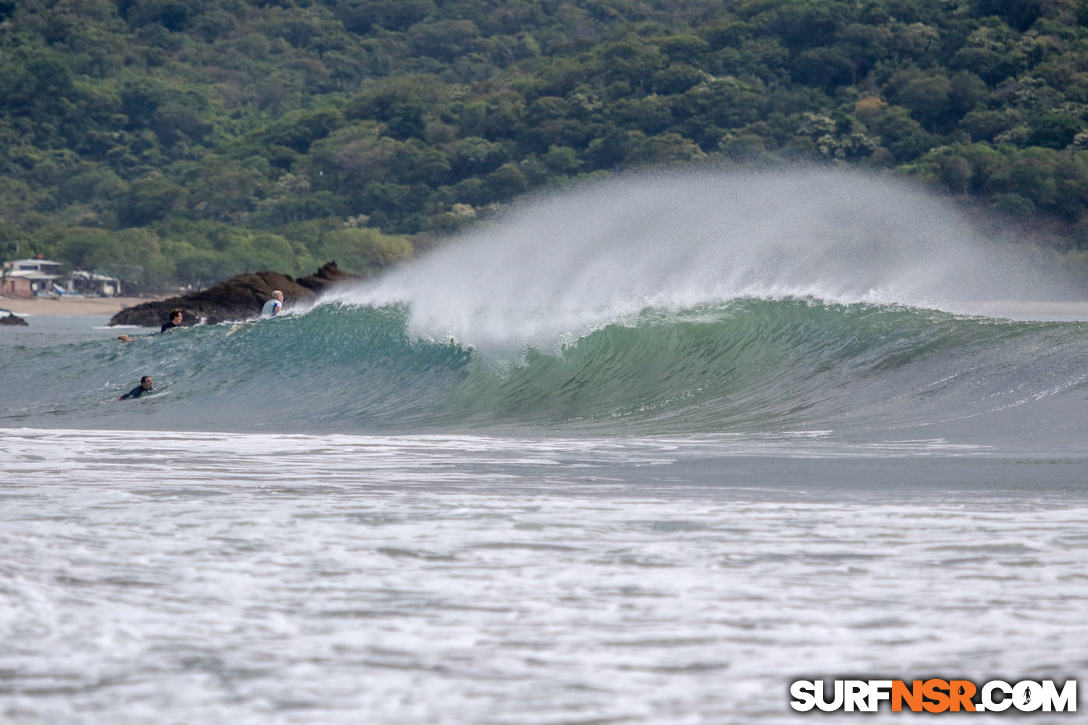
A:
561	265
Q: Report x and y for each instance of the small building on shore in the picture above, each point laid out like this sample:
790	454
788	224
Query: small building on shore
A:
91	283
43	278
29	277
16	287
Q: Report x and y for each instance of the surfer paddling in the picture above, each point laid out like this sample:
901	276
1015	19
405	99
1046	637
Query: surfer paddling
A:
175	320
144	387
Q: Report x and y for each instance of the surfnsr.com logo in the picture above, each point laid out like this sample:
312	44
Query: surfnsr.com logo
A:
933	695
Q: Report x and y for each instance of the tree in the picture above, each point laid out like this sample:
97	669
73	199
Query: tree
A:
1019	14
1054	129
505	182
902	135
360	16
562	159
350	159
663	149
413	162
684	47
445	40
985	125
298	130
13	241
149	200
363	250
823	67
955	173
929	100
608	151
475	156
1014	205
91	184
223	189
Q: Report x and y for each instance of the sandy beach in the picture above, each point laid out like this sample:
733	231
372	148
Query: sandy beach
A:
69	306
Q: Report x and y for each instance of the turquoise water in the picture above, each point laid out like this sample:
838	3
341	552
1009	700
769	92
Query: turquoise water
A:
721	434
858	373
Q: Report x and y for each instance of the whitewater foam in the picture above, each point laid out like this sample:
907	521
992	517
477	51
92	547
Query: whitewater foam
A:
270	578
560	265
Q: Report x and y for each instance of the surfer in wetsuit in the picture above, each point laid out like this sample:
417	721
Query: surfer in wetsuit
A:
143	387
175	320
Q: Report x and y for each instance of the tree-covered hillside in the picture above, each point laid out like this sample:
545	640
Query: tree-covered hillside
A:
190	140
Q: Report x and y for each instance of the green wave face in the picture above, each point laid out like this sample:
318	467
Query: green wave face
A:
772	303
760	367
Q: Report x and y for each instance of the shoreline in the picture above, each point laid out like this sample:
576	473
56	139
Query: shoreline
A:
70	306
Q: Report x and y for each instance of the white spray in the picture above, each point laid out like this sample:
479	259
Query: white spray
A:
559	265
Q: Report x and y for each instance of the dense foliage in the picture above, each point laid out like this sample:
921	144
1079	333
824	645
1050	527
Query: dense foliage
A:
189	139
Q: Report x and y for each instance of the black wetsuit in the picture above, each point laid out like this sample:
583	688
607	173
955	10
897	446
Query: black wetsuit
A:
168	325
136	392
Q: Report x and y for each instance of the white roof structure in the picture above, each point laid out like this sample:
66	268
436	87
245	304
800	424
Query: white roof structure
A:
33	274
92	276
19	267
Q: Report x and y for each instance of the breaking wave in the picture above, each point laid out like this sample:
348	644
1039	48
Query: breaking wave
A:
759	304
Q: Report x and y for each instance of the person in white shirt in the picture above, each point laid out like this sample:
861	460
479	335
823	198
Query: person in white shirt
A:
273	306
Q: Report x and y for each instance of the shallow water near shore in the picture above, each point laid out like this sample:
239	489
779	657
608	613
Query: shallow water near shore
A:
292	578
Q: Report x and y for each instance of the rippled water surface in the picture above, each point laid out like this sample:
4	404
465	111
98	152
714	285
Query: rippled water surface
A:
280	578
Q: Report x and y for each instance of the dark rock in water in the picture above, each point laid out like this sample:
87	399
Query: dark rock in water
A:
328	275
10	318
238	298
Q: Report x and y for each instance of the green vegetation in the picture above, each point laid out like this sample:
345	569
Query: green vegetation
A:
186	140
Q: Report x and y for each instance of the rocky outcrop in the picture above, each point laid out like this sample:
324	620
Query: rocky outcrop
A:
238	298
10	318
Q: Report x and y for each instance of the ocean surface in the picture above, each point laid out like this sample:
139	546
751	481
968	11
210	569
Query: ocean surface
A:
722	433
